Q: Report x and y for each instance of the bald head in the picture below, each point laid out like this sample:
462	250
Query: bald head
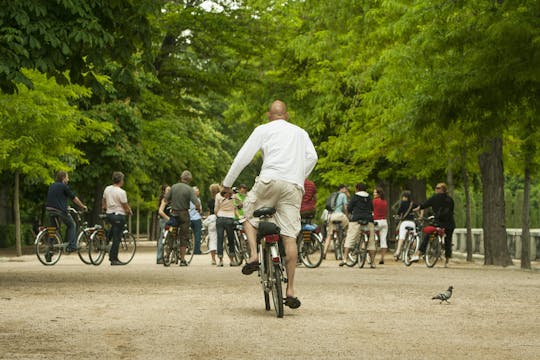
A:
278	110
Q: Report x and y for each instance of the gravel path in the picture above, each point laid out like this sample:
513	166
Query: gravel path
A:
146	311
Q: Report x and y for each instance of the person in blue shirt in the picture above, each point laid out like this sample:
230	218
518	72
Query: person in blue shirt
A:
339	214
57	206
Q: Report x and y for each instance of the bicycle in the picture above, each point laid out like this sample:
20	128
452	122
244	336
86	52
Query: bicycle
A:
240	243
101	242
310	244
49	244
337	239
359	253
435	243
269	246
412	242
171	246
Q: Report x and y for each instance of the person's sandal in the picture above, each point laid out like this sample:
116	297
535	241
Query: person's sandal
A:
250	268
292	302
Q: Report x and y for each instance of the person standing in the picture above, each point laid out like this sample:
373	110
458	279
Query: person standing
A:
443	208
57	206
116	206
224	209
380	209
239	198
288	158
210	222
196	221
163	215
309	200
179	197
361	209
339	214
406	219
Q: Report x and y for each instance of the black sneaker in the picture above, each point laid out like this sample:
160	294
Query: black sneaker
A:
183	263
48	256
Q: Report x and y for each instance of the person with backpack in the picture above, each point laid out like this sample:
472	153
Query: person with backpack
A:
361	209
336	204
443	208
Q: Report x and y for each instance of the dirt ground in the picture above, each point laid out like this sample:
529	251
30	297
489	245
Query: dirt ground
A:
147	311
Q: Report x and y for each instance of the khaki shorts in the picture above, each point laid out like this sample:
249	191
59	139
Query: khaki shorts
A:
353	234
337	216
284	196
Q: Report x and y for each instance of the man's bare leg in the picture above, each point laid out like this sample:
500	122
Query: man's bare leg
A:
251	234
290	262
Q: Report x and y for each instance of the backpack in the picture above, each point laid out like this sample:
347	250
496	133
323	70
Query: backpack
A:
331	201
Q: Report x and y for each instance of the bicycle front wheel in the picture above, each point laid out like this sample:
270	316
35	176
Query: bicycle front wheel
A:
84	245
127	248
97	247
311	252
433	251
48	250
277	290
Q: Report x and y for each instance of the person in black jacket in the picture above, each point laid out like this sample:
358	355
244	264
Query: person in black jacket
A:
443	208
361	208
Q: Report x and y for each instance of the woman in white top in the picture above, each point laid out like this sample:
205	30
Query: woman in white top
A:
224	210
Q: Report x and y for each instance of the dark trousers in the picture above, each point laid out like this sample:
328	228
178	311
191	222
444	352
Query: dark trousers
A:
225	224
117	228
71	227
182	222
447	243
196	226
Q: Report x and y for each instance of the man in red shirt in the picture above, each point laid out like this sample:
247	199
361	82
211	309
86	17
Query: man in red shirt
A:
309	200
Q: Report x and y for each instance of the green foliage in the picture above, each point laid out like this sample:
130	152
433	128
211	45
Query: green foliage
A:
7	235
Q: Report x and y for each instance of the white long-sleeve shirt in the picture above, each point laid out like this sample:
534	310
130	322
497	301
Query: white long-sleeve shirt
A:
288	153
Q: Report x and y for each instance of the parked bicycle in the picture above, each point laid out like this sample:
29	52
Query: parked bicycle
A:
435	243
101	242
310	244
412	241
49	243
171	246
240	244
270	252
359	253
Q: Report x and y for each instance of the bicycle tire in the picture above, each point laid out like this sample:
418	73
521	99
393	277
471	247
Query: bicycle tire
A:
409	249
311	253
433	251
83	241
205	243
97	247
44	244
190	248
127	248
277	290
263	274
167	248
362	251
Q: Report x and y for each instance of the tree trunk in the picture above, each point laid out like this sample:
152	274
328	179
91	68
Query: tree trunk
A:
466	187
526	224
450	179
492	174
17	213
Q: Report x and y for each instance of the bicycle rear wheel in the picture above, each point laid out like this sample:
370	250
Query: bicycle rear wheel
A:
97	246
311	252
433	251
362	251
167	250
84	245
264	275
48	250
127	248
411	243
277	290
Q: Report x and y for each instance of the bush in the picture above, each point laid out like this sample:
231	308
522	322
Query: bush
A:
7	235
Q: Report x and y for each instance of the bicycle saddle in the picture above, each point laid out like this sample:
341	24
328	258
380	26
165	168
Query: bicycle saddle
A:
363	222
265	211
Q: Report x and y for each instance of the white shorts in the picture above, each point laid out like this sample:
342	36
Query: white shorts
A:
403	231
284	196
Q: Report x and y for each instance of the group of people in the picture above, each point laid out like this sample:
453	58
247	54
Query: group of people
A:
288	159
114	204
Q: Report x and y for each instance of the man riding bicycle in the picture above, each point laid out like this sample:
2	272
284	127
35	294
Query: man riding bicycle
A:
288	158
57	196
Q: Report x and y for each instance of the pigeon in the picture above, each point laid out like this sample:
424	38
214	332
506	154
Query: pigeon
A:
444	296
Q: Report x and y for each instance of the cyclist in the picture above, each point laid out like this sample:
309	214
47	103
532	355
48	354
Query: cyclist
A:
179	197
56	205
406	219
116	206
309	200
443	207
288	158
338	214
361	208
